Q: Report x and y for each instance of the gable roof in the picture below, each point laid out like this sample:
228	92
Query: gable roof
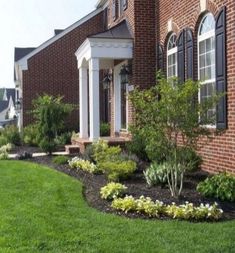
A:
20	52
11	94
24	61
120	31
3	105
58	31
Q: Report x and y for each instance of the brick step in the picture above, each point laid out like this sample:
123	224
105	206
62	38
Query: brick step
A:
72	149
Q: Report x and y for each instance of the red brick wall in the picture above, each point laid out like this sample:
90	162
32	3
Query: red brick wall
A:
218	154
54	70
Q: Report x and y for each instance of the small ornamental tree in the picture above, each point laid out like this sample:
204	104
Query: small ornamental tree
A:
50	113
170	120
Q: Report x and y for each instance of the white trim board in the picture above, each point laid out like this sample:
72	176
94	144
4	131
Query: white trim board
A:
23	63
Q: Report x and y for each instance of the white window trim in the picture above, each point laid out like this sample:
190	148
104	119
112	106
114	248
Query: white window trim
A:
171	52
201	38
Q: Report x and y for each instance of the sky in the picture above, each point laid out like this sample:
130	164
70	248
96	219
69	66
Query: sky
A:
29	23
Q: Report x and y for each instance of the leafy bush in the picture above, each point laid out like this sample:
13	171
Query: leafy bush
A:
78	163
24	156
156	174
89	153
156	209
11	135
60	160
4	151
3	140
137	146
112	191
30	135
221	186
104	129
63	139
189	158
110	161
102	152
118	170
50	113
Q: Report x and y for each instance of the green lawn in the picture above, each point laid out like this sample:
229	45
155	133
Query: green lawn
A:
42	210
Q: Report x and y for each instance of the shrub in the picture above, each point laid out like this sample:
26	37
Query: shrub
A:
3	140
89	154
24	156
221	186
78	163
137	146
60	160
156	174
118	170
109	160
30	135
189	158
112	191
11	135
4	151
63	139
50	113
156	209
102	152
104	129
4	156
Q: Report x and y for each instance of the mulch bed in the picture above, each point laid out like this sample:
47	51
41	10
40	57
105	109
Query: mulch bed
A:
136	187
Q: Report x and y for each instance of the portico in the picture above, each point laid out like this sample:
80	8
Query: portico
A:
100	52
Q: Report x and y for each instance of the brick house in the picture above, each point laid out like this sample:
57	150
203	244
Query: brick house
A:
188	38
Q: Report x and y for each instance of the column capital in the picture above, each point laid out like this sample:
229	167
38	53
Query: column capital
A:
94	64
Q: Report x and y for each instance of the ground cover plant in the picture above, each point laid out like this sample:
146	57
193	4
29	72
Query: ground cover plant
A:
52	216
61	159
112	191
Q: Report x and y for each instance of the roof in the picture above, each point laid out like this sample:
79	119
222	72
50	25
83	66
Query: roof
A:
23	61
58	31
120	31
20	52
3	105
101	3
11	93
1	94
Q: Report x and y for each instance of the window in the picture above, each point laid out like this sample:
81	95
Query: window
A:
172	57
206	59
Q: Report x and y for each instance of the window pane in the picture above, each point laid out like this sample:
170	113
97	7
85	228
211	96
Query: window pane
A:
202	61
202	74
208	59
202	47
208	45
207	73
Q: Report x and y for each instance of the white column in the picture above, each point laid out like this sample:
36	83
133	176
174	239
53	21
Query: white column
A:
83	102
94	98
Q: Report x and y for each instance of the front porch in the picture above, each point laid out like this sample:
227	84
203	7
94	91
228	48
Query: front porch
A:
107	51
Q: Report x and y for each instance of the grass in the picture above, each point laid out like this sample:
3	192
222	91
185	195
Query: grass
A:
42	210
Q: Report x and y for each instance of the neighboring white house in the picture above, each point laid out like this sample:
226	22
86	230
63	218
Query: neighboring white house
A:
7	104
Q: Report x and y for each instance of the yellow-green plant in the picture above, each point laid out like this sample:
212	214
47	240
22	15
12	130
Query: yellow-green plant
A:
112	191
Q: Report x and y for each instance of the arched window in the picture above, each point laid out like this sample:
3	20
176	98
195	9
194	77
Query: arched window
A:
172	57
206	59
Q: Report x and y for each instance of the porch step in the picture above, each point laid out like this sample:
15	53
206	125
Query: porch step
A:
72	149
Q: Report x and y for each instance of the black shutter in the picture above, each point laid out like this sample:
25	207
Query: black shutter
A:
189	54
181	57
125	4
221	69
160	57
114	10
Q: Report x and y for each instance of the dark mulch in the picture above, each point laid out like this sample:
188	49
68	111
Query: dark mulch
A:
30	149
137	187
